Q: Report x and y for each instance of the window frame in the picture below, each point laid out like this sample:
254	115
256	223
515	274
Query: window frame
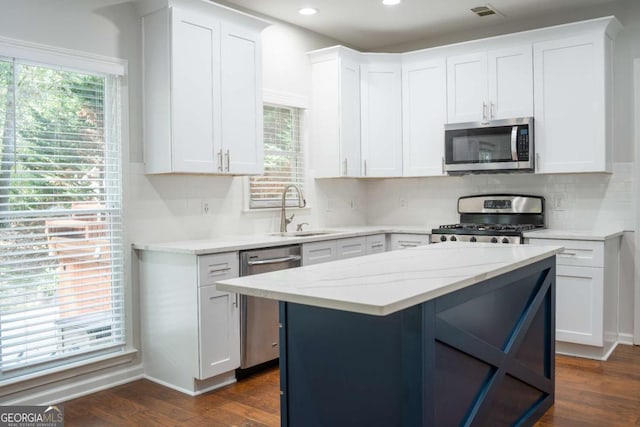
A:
290	100
82	62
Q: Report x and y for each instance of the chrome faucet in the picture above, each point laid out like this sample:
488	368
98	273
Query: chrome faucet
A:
284	221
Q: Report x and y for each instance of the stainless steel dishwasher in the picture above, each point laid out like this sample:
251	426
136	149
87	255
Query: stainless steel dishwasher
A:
259	316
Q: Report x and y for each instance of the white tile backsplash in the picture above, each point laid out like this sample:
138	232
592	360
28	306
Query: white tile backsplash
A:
574	201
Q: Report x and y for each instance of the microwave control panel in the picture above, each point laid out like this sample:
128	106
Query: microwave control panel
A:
522	143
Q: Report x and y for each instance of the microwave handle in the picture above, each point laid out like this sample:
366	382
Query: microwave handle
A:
514	143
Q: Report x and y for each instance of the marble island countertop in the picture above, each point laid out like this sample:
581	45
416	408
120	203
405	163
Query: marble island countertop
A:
265	240
384	283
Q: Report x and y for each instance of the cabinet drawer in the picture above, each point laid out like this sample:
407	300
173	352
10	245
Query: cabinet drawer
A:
352	247
318	252
376	244
404	241
581	253
212	268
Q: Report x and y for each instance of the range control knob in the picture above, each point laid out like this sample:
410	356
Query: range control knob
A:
454	238
494	240
505	240
473	239
443	238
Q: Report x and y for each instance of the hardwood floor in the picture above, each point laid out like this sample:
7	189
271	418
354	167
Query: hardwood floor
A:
588	393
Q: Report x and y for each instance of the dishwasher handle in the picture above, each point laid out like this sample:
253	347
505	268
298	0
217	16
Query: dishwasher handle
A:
275	260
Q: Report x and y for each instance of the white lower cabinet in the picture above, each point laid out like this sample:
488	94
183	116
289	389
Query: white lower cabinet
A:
319	252
351	247
376	243
404	241
190	330
332	250
579	304
586	296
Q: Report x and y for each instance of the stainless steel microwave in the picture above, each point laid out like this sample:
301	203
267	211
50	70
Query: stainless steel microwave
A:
495	146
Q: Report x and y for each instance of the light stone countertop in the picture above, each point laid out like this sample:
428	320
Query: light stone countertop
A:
266	240
594	235
384	283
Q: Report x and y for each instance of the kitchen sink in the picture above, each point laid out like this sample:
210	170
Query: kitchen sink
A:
303	233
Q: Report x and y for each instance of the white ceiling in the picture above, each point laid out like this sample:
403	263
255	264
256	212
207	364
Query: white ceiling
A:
368	24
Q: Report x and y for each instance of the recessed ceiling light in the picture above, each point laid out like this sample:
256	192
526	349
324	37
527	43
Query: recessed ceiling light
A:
391	2
308	11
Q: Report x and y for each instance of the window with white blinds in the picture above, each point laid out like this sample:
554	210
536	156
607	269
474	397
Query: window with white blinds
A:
283	159
61	276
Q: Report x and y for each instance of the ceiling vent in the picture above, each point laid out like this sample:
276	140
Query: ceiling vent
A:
485	10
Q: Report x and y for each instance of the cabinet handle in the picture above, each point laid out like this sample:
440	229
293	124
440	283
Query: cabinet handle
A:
344	170
379	245
228	160
235	301
220	160
442	165
538	162
568	254
365	168
491	111
484	111
218	270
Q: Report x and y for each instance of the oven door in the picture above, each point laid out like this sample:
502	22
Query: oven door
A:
501	145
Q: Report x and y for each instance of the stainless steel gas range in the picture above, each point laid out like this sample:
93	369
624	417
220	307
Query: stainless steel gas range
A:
493	218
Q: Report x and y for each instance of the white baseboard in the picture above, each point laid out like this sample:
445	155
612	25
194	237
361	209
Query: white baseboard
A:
60	392
215	383
626	339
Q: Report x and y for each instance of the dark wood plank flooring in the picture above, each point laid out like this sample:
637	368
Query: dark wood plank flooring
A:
588	393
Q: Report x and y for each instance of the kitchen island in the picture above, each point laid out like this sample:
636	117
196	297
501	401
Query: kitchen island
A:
447	334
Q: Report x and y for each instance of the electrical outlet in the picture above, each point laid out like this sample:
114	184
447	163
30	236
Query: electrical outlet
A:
558	202
206	207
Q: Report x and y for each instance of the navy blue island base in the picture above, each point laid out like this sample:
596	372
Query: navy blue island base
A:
479	356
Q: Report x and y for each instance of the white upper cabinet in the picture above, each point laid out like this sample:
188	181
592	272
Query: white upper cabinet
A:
510	83
335	112
381	114
424	106
202	90
490	85
242	142
573	107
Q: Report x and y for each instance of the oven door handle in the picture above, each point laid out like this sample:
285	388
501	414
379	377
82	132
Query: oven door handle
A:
514	143
276	260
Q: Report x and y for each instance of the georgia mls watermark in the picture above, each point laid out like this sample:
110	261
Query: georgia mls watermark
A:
31	416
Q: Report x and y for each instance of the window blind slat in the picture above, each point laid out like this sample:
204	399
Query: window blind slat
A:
61	279
283	158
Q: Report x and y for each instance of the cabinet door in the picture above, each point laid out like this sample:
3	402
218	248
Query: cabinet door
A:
219	331
424	97
404	241
579	305
569	99
349	98
242	148
376	244
195	92
350	248
381	95
218	316
467	88
319	252
510	83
